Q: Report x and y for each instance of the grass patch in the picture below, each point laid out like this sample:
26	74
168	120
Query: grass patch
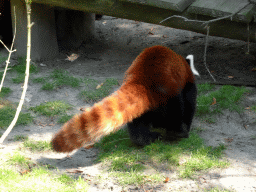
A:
48	86
20	138
51	108
19	79
57	79
33	177
39	80
64	118
204	88
39	180
186	156
5	91
7	114
21	67
3	59
216	189
227	97
37	145
253	108
62	78
17	159
90	95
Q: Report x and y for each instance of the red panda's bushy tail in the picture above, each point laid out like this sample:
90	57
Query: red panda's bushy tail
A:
127	103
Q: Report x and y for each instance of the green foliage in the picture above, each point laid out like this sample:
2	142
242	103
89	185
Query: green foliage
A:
187	156
48	86
19	79
3	59
21	67
5	91
97	94
37	145
17	159
20	138
34	177
57	79
227	97
40	80
204	88
52	108
7	114
62	77
64	118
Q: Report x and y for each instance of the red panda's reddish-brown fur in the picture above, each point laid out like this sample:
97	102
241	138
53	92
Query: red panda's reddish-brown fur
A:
155	76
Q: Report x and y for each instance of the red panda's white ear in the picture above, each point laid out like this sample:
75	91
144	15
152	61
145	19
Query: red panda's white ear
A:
191	59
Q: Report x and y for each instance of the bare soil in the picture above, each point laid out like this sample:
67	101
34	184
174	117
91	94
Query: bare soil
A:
117	43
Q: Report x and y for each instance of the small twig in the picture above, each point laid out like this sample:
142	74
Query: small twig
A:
185	19
206	22
225	17
205	49
248	38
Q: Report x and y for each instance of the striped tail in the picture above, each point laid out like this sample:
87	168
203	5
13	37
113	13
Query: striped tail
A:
127	103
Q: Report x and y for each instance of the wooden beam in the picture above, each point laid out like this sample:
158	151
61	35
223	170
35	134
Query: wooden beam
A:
150	14
221	8
175	5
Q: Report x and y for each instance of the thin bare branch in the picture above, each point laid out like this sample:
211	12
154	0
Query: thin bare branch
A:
185	19
248	38
205	49
206	22
28	7
10	51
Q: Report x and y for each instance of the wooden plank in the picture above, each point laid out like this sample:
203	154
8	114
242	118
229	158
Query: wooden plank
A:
175	5
221	8
150	14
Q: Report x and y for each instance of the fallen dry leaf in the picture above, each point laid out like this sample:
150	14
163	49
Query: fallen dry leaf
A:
166	180
213	101
74	171
82	109
26	171
228	140
99	86
72	57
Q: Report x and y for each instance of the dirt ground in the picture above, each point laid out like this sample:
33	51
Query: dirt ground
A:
118	42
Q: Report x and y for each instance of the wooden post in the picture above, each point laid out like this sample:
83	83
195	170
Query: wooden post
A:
44	43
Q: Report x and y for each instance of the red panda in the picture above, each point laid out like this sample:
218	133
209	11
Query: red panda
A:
159	90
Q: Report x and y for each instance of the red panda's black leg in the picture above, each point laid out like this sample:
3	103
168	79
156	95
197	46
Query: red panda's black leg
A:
139	130
189	94
175	116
